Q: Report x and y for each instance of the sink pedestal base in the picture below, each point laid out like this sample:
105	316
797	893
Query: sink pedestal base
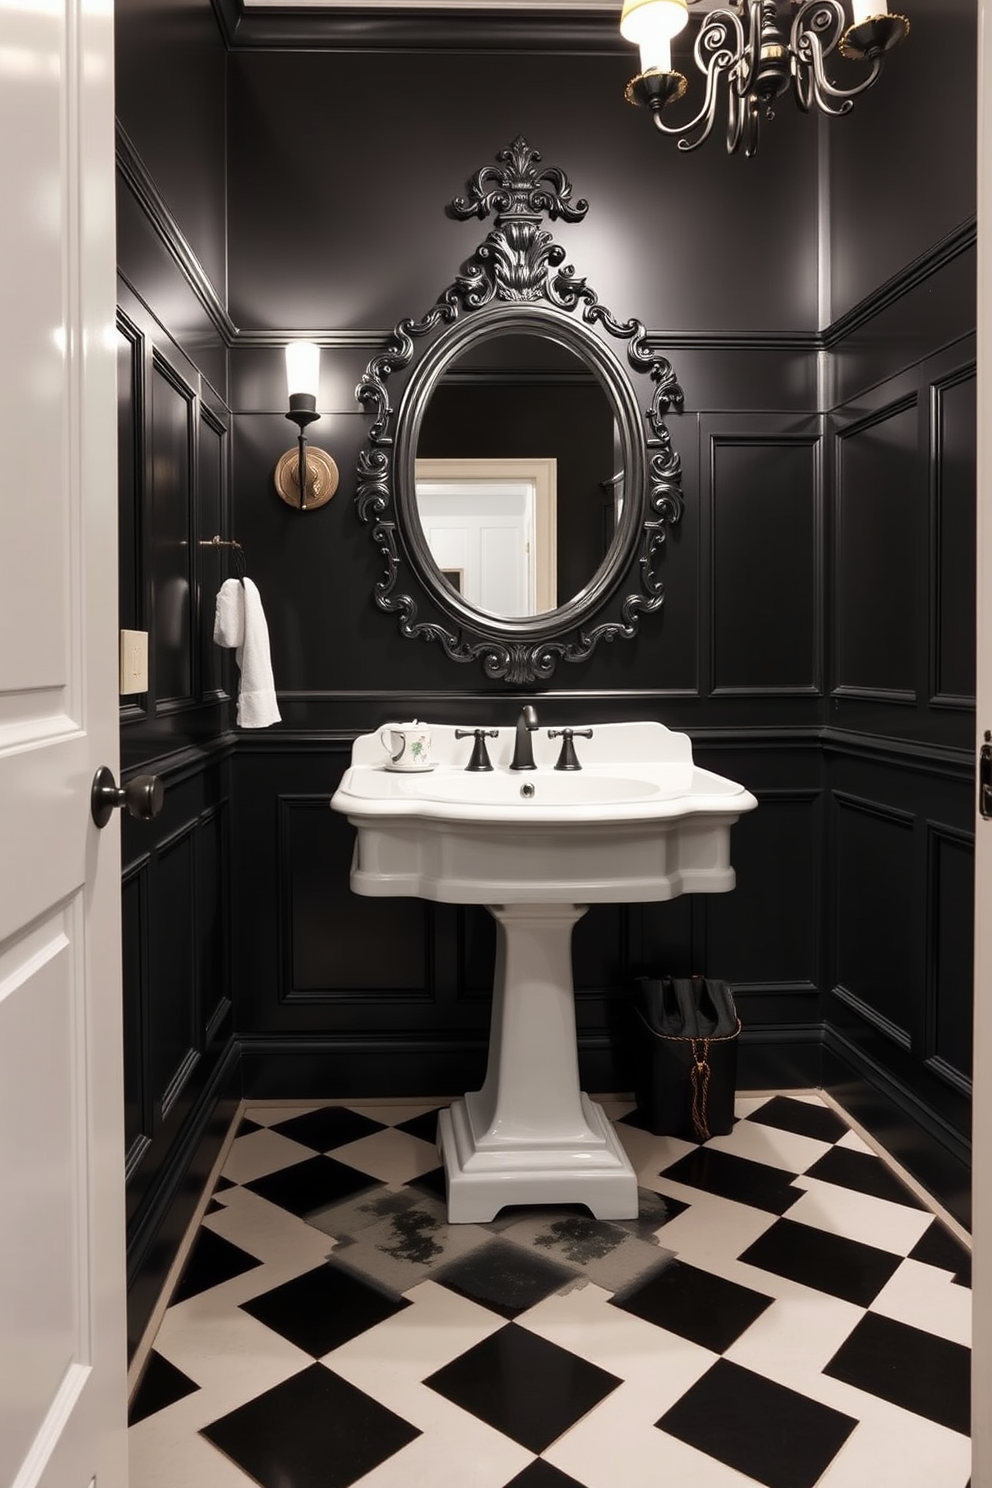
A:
530	1135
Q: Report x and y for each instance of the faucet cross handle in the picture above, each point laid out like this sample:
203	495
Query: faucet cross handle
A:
480	754
568	759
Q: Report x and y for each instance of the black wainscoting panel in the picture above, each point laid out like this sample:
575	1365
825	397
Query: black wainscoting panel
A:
213	565
130	462
950	963
879	532
171	534
954	475
765	563
876	952
213	927
174	1022
337	944
135	912
765	936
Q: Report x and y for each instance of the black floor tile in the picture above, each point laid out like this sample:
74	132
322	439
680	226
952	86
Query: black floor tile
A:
305	1187
323	1308
504	1277
758	1184
912	1369
804	1117
161	1384
762	1429
540	1474
865	1173
834	1264
706	1309
938	1247
433	1182
423	1126
222	1184
246	1125
294	1435
212	1260
327	1127
213	1207
520	1384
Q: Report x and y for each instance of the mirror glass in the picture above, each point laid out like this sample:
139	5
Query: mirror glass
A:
518	474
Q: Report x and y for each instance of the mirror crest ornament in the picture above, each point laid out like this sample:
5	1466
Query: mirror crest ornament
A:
516	282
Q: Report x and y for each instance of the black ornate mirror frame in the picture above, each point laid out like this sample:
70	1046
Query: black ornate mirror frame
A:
513	284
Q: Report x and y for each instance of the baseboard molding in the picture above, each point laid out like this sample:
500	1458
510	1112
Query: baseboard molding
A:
327	1068
156	1239
936	1155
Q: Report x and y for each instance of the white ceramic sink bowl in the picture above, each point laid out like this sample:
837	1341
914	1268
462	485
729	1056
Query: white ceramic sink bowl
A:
638	822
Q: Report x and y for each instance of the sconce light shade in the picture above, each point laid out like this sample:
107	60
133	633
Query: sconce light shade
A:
306	477
303	369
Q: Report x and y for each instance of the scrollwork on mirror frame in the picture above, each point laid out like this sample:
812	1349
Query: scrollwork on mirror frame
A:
520	265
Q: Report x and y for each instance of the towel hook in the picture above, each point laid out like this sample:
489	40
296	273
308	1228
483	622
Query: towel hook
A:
221	542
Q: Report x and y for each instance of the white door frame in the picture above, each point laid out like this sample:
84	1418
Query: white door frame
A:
982	1082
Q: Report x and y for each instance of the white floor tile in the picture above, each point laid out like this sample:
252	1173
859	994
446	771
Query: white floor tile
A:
926	1298
390	1155
794	1339
456	1451
233	1357
894	1449
842	1211
607	1449
268	1232
262	1152
770	1145
393	1115
169	1454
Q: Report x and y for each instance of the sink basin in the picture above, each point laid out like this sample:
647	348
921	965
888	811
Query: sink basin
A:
640	821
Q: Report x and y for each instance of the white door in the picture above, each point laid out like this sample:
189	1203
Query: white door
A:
481	535
62	1347
982	1113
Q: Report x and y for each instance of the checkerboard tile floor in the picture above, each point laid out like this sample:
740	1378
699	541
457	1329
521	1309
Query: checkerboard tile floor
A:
783	1312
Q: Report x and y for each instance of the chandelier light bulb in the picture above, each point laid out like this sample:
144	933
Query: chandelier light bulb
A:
653	23
656	54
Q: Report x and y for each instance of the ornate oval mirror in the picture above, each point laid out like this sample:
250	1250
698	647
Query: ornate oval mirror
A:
519	484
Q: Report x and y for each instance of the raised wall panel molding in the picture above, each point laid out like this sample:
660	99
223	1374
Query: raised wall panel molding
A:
952	537
380	933
764	524
873	871
891	1030
910	754
947	1005
878	526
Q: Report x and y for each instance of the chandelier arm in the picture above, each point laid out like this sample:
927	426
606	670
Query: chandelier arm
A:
810	82
714	56
748	54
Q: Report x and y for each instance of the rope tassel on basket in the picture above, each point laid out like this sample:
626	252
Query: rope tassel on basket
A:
687	1065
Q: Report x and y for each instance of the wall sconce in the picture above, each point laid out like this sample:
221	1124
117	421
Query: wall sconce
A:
306	477
757	48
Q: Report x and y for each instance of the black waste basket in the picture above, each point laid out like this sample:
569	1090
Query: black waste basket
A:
687	1031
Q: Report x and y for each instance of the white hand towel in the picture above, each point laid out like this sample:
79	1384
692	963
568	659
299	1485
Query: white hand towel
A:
239	621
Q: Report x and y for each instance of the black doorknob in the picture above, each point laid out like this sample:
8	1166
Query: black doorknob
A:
143	796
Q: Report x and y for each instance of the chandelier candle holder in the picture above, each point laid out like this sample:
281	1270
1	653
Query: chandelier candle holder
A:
754	51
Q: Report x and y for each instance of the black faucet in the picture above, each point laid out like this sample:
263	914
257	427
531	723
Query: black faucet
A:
523	748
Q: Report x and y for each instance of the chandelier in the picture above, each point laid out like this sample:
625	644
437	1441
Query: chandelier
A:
756	49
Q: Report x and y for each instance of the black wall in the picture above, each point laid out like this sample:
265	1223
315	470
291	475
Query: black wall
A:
817	637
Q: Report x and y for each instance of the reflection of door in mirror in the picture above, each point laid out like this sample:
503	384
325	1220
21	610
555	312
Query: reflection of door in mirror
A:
495	522
520	395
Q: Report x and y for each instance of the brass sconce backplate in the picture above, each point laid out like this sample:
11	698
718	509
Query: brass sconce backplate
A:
322	477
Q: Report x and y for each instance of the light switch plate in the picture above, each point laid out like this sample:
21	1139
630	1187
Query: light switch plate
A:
134	662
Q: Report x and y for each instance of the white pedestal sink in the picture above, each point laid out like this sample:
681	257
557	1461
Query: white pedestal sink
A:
638	822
